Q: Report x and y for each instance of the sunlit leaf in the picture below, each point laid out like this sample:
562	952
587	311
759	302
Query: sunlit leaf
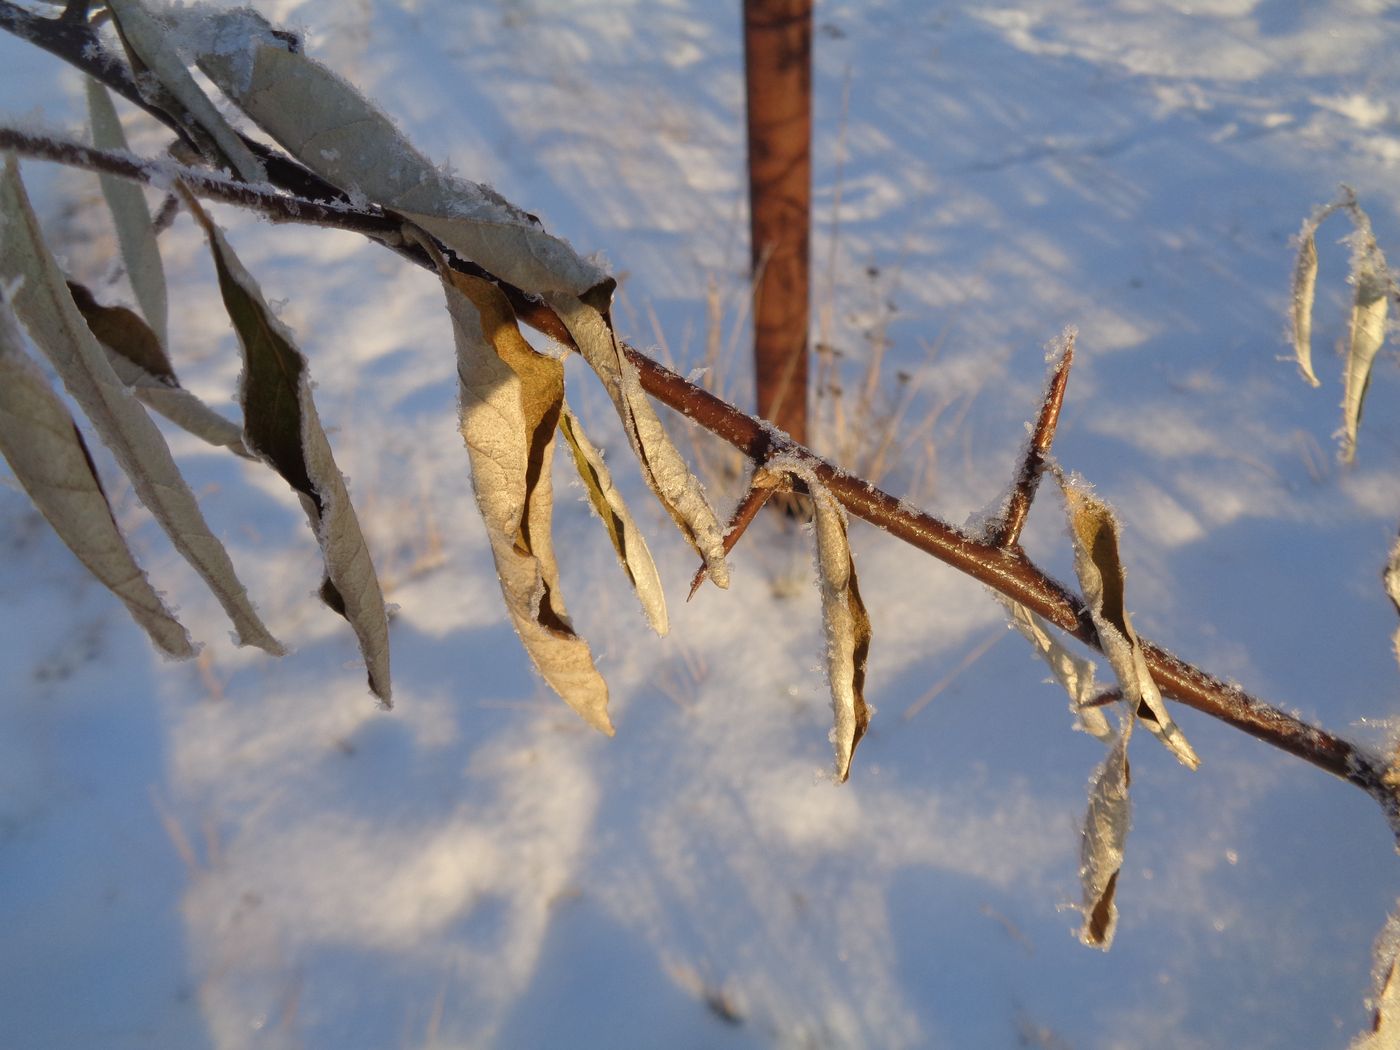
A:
1101	576
1385	991
1370	304
280	424
44	448
663	467
1106	827
337	133
136	356
136	236
512	401
627	540
847	626
42	301
1304	289
149	41
1074	673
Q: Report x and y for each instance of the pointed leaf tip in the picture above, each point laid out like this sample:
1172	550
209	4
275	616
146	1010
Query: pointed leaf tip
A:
1099	567
281	425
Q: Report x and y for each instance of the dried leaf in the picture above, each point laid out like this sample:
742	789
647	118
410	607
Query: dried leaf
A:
1100	572
44	448
627	540
1074	673
1304	289
512	401
148	40
1385	992
679	491
847	626
135	234
138	359
1368	317
280	425
46	307
332	129
1101	848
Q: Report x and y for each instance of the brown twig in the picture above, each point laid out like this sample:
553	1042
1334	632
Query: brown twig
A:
1008	532
1005	569
762	487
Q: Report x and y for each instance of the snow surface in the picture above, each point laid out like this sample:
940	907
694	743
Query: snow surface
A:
246	852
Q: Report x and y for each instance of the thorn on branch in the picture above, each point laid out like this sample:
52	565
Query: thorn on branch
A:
1008	532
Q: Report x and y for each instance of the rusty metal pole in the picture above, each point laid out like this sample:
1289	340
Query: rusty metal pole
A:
778	73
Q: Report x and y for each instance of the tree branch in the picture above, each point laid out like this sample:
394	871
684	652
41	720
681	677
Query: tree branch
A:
1004	568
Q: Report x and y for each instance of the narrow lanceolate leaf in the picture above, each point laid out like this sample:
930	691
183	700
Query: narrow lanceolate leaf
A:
679	491
1100	571
138	359
1304	289
136	236
627	540
1101	847
280	425
149	41
1370	305
332	129
1074	673
847	626
44	448
46	307
512	400
1385	991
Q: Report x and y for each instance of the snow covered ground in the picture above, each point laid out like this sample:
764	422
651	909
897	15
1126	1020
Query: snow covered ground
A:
247	852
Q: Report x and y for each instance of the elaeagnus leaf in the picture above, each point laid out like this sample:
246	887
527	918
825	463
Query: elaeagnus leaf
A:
280	425
136	236
138	359
1370	304
149	42
1100	570
844	619
46	307
1101	847
332	129
665	471
627	540
1385	991
1074	673
512	402
44	448
1304	289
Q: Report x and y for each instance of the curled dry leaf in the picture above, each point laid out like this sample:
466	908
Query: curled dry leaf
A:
844	619
1100	570
1304	289
1074	673
149	43
46	307
847	627
1106	827
44	448
1370	304
337	133
280	425
665	471
627	540
136	236
1385	991
139	361
512	401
